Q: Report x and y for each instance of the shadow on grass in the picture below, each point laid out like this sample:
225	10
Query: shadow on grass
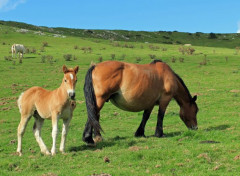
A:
30	57
105	143
220	127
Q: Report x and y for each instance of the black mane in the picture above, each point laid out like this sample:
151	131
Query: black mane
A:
184	85
155	61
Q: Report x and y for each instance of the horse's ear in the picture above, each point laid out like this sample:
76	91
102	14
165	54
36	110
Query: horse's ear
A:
194	98
76	69
65	69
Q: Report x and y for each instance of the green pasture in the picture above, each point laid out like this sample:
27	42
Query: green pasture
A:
211	73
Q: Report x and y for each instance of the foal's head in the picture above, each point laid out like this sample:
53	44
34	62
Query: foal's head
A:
188	113
70	80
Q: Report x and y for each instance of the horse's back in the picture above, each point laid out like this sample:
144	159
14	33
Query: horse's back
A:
132	87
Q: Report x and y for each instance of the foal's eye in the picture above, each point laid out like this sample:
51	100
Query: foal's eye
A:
65	80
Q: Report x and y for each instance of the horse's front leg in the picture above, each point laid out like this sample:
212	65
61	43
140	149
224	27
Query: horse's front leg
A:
165	99
55	118
141	128
65	128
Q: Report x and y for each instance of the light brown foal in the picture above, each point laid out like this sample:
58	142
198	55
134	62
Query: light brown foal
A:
45	104
135	87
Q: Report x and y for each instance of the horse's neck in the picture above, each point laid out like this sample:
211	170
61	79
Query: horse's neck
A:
181	95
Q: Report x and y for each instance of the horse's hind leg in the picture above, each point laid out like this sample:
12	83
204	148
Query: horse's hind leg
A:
140	130
21	129
37	133
87	134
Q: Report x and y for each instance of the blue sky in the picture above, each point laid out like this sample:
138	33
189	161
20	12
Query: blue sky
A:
218	16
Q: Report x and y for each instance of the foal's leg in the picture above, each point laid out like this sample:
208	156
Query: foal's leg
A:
37	133
21	129
140	130
55	119
65	128
165	99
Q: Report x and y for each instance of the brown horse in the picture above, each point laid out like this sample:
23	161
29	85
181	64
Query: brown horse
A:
44	104
134	87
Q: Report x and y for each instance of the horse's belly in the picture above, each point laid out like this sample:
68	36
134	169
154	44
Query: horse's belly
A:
133	104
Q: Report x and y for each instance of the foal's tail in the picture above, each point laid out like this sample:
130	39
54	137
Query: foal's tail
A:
91	100
19	102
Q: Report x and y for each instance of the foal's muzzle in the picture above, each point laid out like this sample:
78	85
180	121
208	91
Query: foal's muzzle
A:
71	95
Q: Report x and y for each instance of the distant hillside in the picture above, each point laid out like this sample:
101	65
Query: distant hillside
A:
197	39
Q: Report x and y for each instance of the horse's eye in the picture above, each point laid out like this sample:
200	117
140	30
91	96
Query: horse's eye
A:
65	80
76	80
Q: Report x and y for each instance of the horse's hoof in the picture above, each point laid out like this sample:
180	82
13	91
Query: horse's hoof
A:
160	135
91	144
88	140
98	139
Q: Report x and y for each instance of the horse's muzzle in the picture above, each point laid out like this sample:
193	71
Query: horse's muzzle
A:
193	128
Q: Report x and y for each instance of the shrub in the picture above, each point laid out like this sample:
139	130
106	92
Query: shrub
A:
44	44
173	59
33	51
113	56
75	47
181	59
8	58
122	57
212	36
43	59
42	49
138	59
67	57
152	56
100	59
75	57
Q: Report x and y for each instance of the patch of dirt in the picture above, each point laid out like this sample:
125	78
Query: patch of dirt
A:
237	157
134	148
103	174
205	156
234	91
50	174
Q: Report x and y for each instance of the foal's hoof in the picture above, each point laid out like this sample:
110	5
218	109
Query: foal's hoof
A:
139	135
19	153
98	139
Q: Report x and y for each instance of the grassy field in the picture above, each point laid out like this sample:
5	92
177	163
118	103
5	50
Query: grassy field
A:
211	73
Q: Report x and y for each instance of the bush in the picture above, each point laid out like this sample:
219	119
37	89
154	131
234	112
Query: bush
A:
212	36
75	47
113	56
44	44
100	59
173	59
138	59
152	56
122	57
181	59
67	57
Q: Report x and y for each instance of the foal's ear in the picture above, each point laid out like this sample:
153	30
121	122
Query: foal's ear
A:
194	98
76	69
65	69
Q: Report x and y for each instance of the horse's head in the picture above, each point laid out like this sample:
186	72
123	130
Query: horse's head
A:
188	114
70	80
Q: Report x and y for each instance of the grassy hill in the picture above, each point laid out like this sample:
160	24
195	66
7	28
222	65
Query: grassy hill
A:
165	37
212	73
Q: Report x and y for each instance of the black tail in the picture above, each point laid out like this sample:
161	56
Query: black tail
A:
91	100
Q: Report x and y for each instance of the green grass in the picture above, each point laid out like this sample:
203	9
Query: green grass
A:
182	152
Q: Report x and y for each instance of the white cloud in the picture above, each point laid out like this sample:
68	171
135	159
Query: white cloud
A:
238	31
7	5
